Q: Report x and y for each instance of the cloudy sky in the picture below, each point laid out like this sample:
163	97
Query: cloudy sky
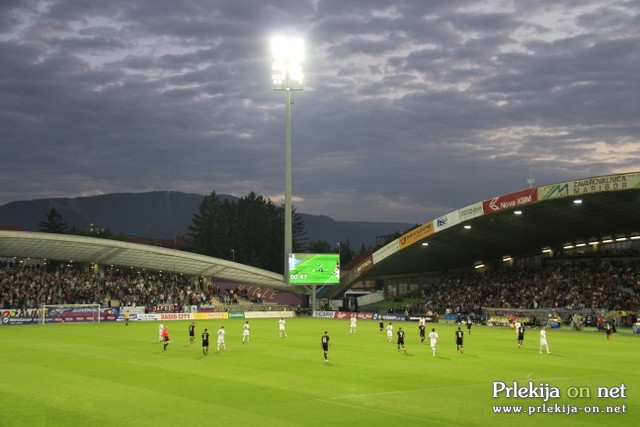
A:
410	109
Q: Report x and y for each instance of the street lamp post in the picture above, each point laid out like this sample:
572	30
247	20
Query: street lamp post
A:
288	55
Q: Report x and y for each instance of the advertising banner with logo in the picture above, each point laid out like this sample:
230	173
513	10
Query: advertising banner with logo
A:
470	212
364	265
80	314
446	221
176	316
388	249
324	314
427	318
590	185
349	315
210	315
416	234
510	201
267	314
14	316
377	316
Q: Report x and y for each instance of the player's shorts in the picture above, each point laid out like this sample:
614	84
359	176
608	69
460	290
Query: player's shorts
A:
166	339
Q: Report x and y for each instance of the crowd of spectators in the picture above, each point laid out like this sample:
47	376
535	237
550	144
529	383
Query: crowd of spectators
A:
603	284
572	286
30	286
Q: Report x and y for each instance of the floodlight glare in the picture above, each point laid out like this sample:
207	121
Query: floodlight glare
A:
288	56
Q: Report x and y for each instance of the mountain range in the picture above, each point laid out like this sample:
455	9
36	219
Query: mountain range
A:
167	214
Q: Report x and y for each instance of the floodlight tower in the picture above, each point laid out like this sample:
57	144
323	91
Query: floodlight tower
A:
288	56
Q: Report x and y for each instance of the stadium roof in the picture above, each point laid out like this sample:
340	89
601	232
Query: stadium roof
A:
70	248
567	215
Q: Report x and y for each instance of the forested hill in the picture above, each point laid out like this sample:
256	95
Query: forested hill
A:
165	214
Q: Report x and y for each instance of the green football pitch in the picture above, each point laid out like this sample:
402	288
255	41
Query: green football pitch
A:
97	374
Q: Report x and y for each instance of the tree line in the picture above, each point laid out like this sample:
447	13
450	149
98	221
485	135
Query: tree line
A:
249	230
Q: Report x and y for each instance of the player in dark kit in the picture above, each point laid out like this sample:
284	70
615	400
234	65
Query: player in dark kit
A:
520	336
608	328
381	326
324	341
192	332
205	342
165	337
459	339
400	334
469	324
422	329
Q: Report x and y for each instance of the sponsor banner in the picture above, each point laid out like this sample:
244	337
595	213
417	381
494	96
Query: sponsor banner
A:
148	317
210	316
324	314
446	221
349	315
18	312
132	317
18	320
363	266
236	315
510	201
416	234
267	314
387	250
377	316
590	185
429	319
165	308
176	316
207	309
470	212
81	314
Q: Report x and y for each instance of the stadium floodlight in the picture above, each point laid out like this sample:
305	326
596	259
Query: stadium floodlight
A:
288	56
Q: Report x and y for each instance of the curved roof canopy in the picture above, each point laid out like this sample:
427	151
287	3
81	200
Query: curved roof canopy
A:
560	216
64	247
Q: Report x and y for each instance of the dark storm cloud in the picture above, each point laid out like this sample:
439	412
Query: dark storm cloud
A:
410	109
